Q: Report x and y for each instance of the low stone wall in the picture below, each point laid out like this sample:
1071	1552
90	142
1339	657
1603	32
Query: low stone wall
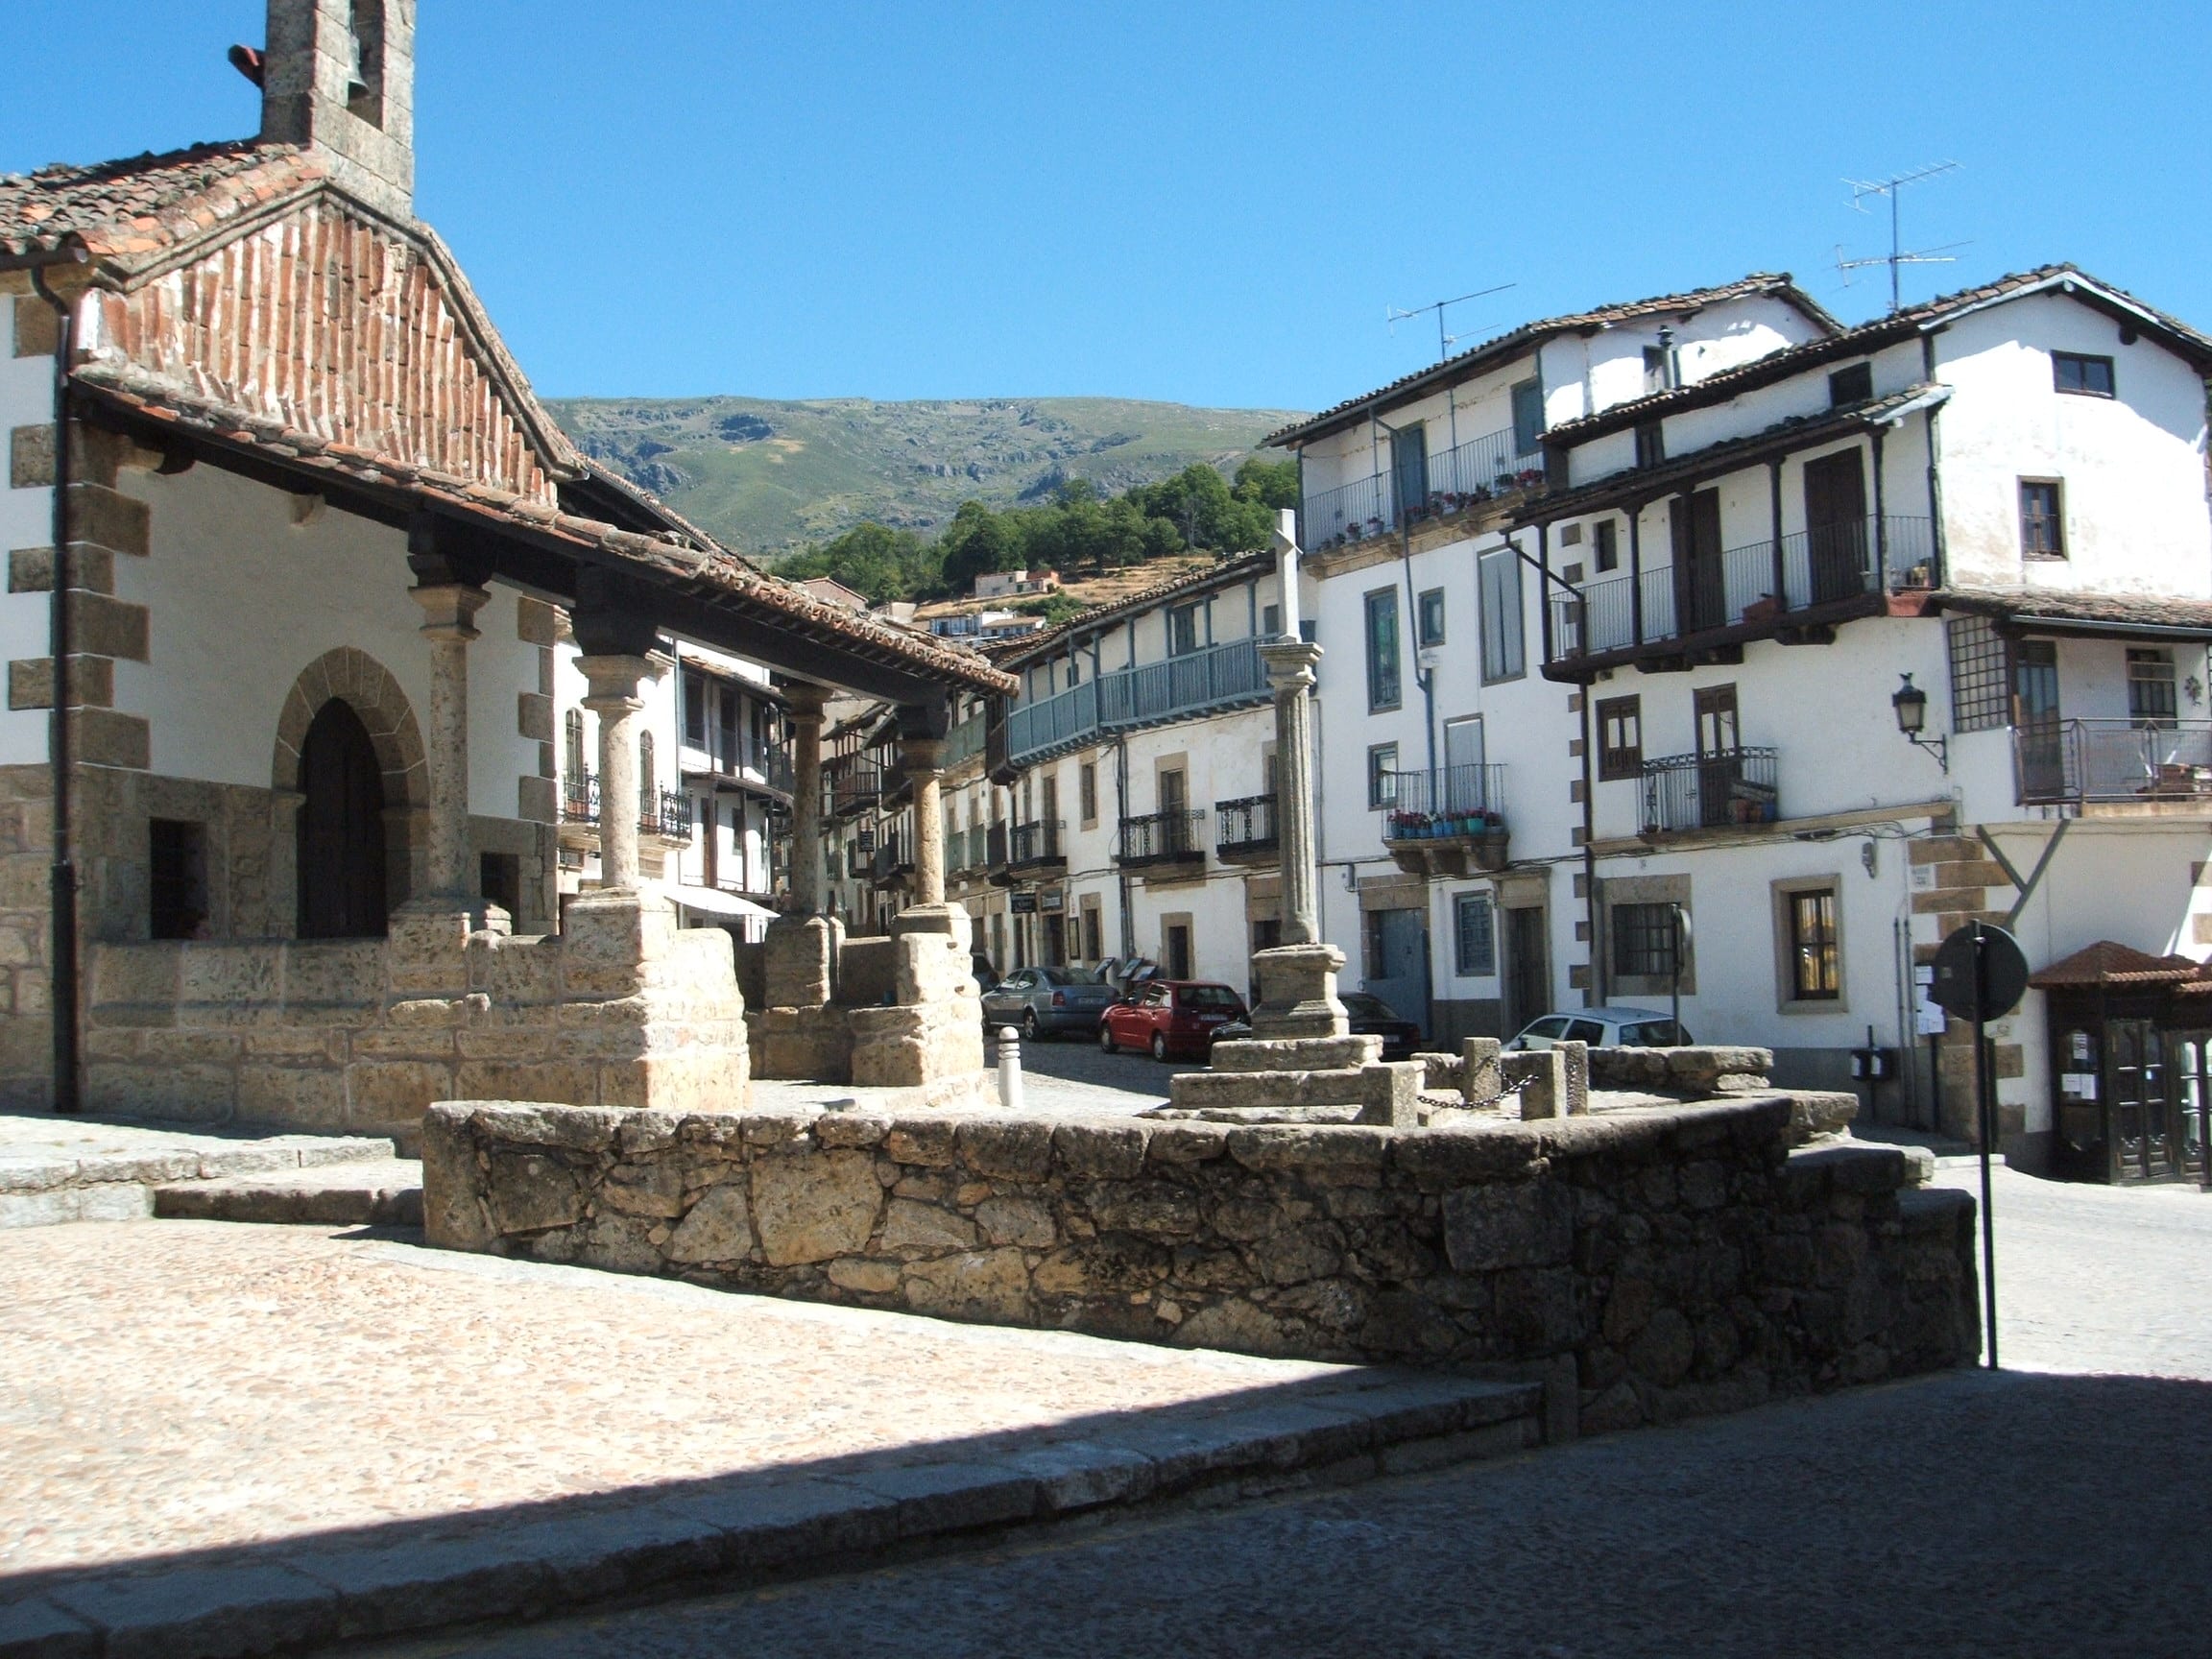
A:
1666	1262
625	1009
1696	1071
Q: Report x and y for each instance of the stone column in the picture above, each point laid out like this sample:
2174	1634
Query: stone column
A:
450	610
1297	977
924	760
616	697
807	887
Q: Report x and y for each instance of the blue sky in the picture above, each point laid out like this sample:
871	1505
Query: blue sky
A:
1202	202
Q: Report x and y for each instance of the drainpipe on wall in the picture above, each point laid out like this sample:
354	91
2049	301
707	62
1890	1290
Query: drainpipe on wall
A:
67	1074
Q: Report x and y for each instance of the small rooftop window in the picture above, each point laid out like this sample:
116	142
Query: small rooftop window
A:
1852	385
2085	377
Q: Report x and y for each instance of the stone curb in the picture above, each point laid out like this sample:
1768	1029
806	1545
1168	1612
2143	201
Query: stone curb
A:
301	1595
42	1191
386	1193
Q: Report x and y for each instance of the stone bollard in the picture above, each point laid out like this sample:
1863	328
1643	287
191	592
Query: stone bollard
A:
1479	1079
1541	1076
1577	1065
1009	1068
1390	1093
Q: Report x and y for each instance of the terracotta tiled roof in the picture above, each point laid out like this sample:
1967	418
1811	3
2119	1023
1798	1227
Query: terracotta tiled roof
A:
2058	608
1872	337
1476	358
670	560
119	211
1029	646
2108	963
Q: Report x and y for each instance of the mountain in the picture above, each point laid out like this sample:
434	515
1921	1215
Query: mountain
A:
767	476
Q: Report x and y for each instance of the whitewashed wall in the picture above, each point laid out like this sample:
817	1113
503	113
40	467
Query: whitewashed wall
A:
26	521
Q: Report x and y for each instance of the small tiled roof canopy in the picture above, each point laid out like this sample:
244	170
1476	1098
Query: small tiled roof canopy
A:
2109	963
2074	611
130	221
1476	358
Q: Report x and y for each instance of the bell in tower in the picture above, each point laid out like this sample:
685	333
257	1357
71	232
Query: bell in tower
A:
338	76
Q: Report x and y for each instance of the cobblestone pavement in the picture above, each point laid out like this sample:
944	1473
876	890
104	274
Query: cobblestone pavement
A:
2026	1513
179	1386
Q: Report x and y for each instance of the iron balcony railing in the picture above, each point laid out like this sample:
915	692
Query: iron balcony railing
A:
1707	791
892	858
776	768
1467	800
852	785
1034	843
2070	762
994	846
580	798
1482	470
665	814
1758	582
1162	838
955	850
1198	681
1245	825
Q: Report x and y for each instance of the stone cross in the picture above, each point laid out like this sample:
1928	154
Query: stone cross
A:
1297	977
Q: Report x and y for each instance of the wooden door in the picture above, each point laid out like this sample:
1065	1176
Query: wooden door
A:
2188	1090
2144	1147
1836	543
2038	726
340	835
1527	966
1700	594
1409	469
1719	752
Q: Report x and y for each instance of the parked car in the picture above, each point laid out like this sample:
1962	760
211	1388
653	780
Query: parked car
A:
1606	1027
1170	1019
1368	1016
1046	1001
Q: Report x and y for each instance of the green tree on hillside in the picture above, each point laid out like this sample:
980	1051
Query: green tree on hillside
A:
1269	484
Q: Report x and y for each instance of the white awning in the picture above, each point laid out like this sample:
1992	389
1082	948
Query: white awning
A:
714	901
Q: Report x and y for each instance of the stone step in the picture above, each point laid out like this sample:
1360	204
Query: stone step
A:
296	1595
1228	1091
386	1194
55	1169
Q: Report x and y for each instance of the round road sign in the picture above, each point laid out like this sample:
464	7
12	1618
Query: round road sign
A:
1981	973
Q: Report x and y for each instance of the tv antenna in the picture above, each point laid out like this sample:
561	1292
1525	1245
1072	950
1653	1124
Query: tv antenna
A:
1393	316
1899	254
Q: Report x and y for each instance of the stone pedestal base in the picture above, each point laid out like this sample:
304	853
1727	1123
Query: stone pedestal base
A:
1298	992
656	1005
934	1029
801	961
812	1044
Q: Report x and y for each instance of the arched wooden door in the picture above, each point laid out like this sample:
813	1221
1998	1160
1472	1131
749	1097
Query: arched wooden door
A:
342	892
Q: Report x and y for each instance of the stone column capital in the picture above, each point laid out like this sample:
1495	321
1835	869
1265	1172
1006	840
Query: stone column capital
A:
616	682
920	755
1290	664
450	609
807	701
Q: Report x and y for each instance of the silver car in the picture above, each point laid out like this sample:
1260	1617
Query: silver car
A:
1611	1028
1047	1001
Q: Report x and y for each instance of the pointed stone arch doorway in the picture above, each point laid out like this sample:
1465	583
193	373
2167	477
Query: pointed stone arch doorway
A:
349	752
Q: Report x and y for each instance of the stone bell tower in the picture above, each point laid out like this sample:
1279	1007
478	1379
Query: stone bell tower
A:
339	76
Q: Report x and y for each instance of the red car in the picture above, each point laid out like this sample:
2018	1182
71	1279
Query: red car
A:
1171	1018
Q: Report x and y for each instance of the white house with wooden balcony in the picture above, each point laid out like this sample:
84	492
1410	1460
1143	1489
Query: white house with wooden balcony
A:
1427	598
1130	811
1983	517
1685	639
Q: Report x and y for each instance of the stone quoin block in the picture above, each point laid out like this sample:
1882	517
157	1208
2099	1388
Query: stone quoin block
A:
30	457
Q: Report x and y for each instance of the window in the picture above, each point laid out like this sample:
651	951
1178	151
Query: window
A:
1266	933
1643	941
1429	626
572	734
2043	532
2084	377
1498	584
1605	545
1409	466
1528	417
1074	671
695	710
727	728
1650	443
1087	790
1980	675
1474	936
1852	385
1619	738
1813	961
1383	689
645	781
1270	621
177	856
1094	934
1654	369
1383	776
2150	699
1182	630
1178	952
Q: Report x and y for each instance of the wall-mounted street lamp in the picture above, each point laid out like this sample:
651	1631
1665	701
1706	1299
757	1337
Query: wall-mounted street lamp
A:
1912	706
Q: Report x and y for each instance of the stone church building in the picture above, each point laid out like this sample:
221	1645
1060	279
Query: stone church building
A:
290	545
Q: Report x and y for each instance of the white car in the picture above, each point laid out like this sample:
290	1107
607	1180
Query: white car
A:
1604	1028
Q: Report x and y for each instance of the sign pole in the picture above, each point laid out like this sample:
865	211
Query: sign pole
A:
1985	1102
